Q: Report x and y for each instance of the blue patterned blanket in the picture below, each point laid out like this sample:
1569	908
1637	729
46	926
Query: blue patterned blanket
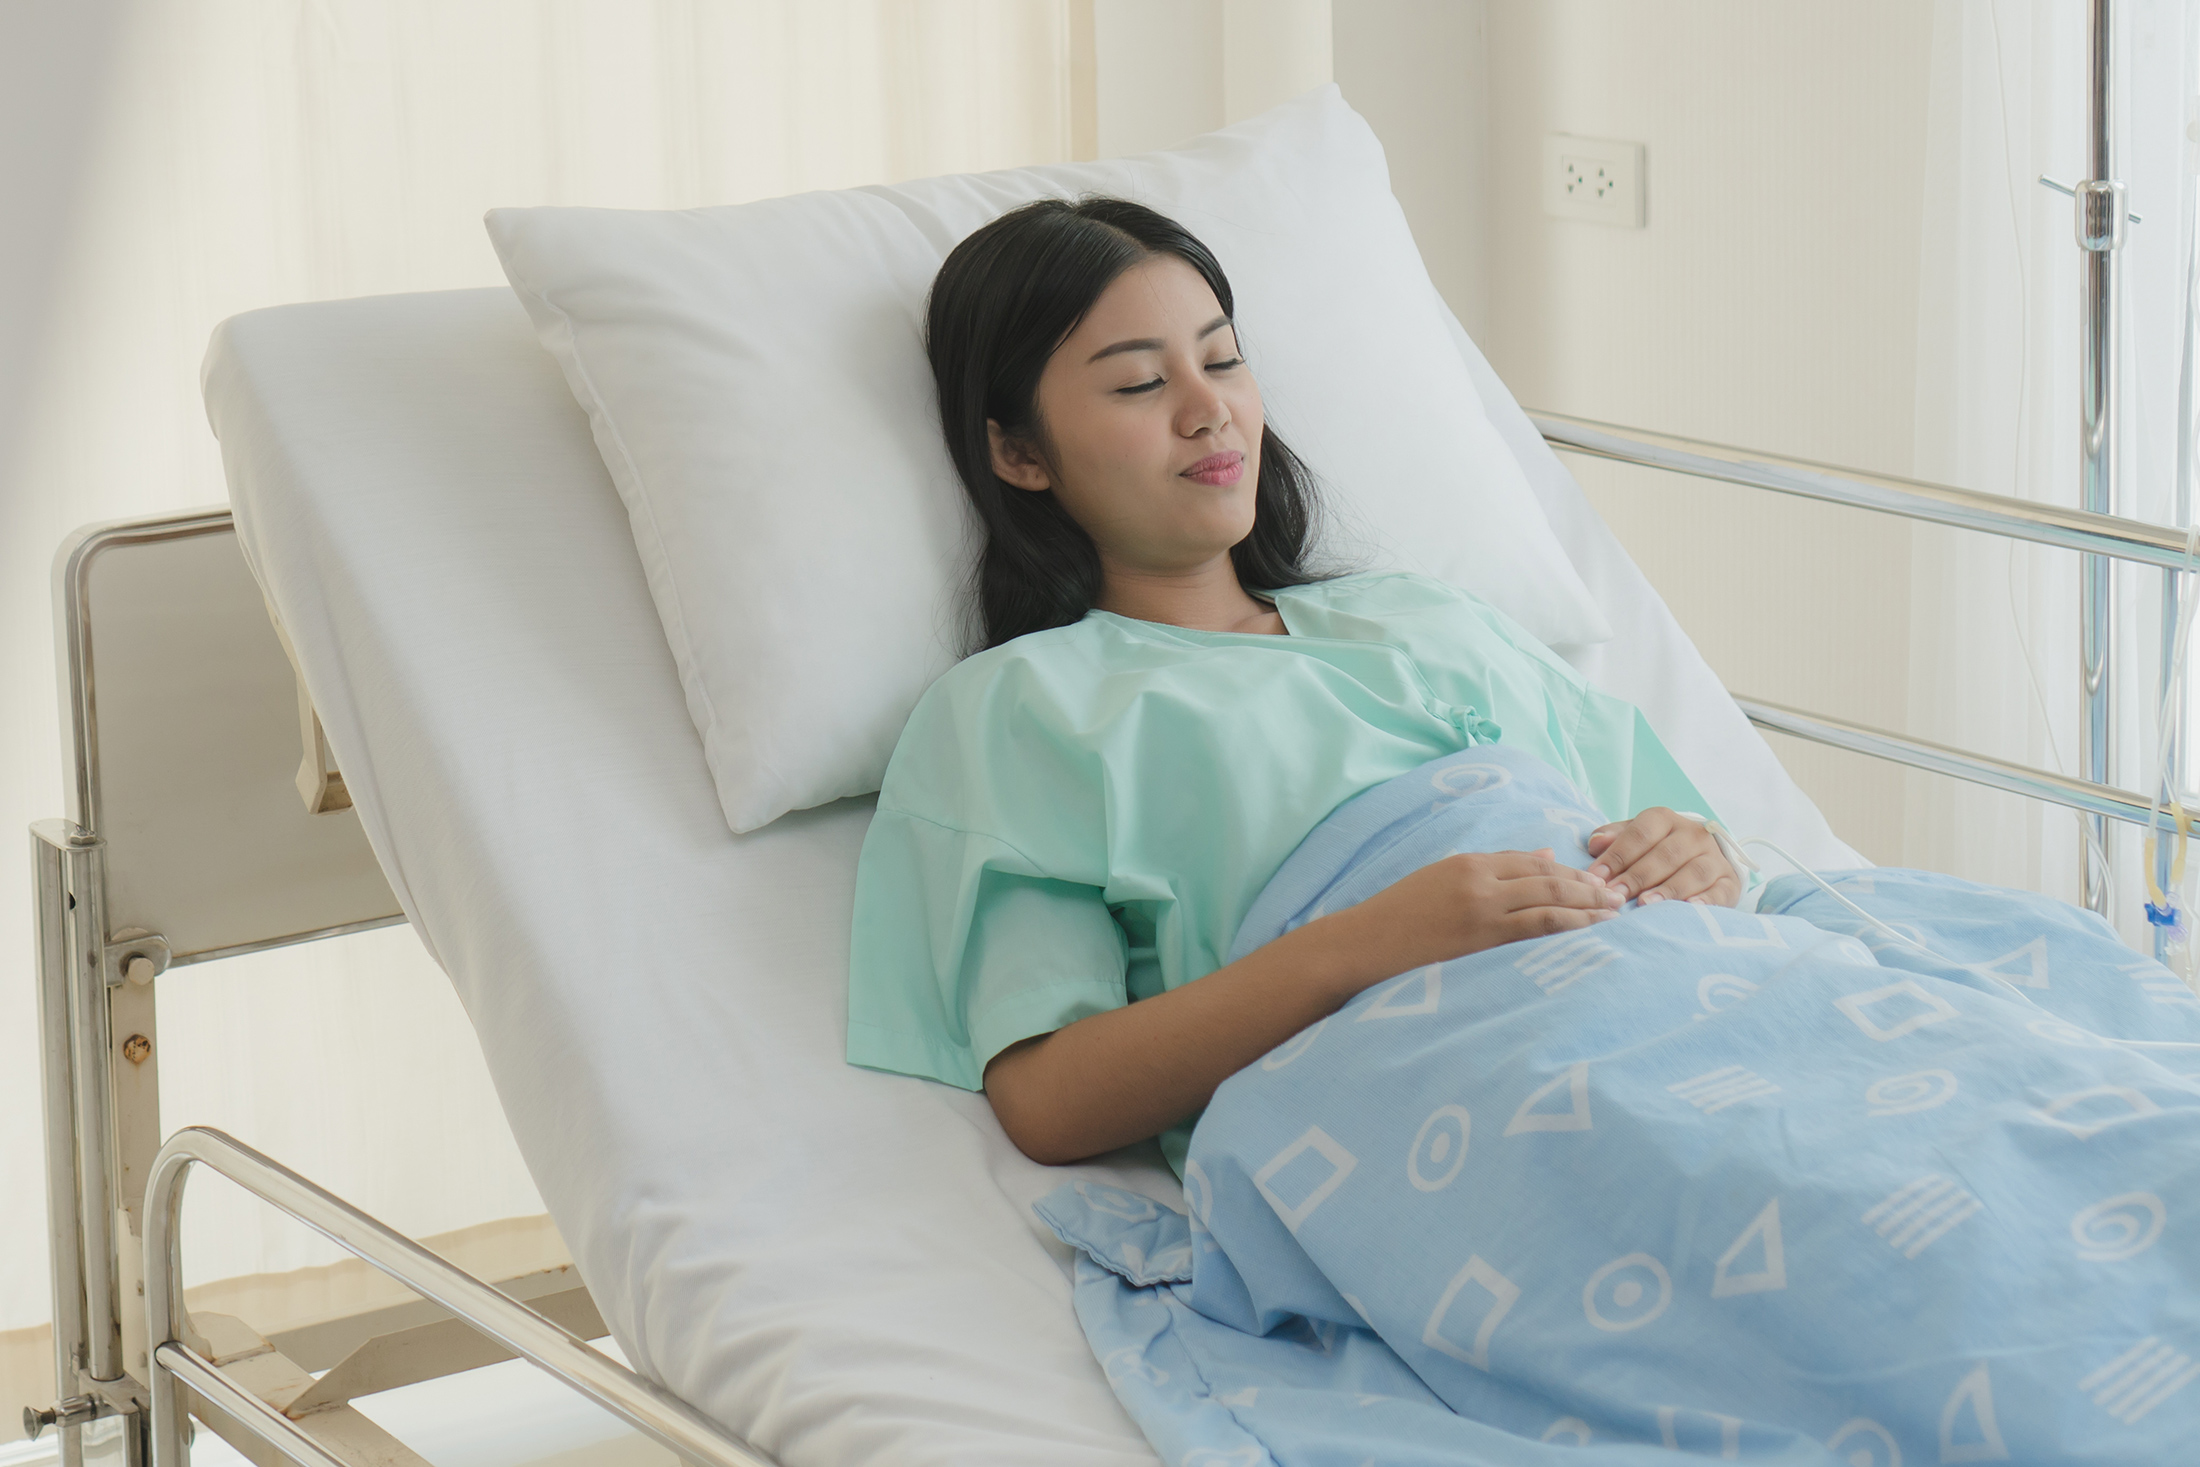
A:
1770	1187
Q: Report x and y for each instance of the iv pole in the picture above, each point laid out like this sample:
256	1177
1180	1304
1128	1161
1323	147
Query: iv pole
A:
2099	207
2173	587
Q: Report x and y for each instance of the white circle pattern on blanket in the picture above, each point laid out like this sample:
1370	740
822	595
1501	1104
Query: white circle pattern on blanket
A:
1461	780
2111	1230
1717	991
1901	1095
1443	1140
1629	1286
1886	1453
1569	1426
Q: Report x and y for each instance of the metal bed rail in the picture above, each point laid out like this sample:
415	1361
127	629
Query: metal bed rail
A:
2082	795
2093	535
1940	504
647	1407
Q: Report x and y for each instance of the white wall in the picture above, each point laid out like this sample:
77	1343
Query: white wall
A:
1418	71
53	67
1771	301
1167	70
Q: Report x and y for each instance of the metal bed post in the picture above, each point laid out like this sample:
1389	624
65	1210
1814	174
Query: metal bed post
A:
94	1107
2099	206
57	1073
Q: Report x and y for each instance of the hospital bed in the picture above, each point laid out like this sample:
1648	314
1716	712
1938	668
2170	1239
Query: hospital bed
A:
834	1261
277	734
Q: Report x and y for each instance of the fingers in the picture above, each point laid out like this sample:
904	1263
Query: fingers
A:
1707	877
1630	841
1534	922
1524	879
1656	866
1564	888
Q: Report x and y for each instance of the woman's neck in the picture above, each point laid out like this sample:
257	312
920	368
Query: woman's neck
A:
1209	599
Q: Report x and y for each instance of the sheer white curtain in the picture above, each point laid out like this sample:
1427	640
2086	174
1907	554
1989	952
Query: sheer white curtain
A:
284	150
1993	665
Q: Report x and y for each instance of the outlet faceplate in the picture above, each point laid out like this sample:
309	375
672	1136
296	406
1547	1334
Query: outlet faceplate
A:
1593	178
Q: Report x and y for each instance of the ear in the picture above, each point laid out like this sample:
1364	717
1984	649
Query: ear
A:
1015	461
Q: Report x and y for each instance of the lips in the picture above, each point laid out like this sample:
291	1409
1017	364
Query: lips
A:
1216	469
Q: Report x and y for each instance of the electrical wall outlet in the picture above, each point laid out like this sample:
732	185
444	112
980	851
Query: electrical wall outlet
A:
1593	178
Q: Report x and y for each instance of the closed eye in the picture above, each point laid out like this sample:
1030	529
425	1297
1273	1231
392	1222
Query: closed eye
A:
1138	387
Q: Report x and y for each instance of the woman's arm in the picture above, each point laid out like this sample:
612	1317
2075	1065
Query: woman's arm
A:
1122	1076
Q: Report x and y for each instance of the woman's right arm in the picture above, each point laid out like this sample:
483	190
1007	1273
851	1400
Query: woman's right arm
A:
1114	1078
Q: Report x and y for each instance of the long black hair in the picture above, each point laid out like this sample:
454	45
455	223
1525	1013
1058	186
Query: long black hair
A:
1002	302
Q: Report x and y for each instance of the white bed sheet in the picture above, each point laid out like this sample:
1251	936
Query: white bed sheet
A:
839	1265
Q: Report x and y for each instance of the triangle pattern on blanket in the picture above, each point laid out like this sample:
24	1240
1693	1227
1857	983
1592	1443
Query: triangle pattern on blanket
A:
1417	993
2033	973
1531	1117
1762	1240
1968	1431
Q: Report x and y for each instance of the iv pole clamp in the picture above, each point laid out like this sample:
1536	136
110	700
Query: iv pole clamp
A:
2101	221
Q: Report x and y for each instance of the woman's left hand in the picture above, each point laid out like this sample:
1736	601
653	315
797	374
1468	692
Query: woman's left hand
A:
1662	856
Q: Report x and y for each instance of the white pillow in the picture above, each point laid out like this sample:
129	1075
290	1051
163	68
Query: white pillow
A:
756	380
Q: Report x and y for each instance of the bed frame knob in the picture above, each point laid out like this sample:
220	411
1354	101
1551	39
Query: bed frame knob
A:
74	1411
136	956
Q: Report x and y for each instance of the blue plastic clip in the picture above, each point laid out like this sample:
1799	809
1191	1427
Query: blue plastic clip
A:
2167	916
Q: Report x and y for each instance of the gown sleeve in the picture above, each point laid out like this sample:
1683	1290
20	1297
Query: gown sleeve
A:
960	947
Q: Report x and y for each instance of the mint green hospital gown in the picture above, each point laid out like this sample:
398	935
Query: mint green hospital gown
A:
1081	817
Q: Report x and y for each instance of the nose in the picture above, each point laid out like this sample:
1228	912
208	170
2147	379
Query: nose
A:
1202	411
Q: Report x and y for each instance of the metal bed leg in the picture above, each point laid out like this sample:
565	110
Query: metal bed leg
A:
90	1051
64	1241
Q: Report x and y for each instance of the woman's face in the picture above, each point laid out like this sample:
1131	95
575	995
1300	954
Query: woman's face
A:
1152	424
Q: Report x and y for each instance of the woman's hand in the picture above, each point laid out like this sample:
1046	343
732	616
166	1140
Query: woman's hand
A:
1466	903
1661	856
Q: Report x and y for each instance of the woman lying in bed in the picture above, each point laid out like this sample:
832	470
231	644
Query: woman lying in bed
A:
1170	699
1901	1171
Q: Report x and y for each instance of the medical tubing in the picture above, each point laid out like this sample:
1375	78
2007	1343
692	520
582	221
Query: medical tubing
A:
2170	719
1827	887
1902	937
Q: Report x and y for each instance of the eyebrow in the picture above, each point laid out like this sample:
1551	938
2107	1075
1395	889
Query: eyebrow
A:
1154	343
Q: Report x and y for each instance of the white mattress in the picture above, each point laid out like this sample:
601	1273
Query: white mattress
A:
839	1265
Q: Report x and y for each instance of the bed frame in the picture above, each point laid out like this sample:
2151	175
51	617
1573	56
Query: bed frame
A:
206	819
